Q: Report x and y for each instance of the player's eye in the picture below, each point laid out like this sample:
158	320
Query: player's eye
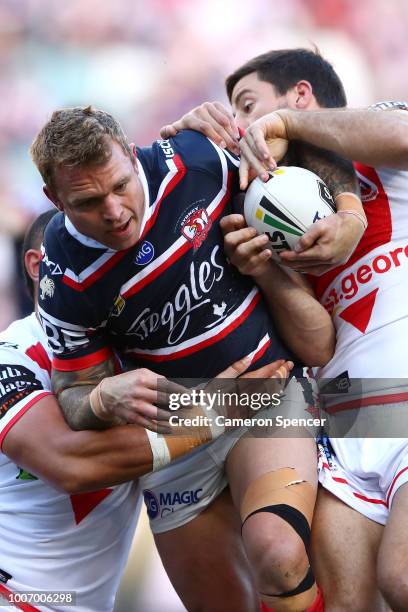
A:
247	106
86	204
120	187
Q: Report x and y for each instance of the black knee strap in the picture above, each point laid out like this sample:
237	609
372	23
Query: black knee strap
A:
306	584
291	515
299	523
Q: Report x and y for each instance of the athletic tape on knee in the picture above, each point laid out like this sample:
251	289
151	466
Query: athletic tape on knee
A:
279	487
166	448
283	493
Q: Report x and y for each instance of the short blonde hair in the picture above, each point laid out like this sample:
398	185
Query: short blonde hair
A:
76	137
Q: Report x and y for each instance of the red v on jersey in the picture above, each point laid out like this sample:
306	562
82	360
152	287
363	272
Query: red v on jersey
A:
38	353
84	503
359	313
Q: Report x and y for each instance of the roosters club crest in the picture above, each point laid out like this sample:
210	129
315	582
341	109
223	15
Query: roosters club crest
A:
195	227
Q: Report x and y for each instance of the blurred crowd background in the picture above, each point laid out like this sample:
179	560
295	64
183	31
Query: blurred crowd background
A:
148	62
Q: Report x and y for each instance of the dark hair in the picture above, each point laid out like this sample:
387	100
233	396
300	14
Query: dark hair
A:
32	240
283	68
75	137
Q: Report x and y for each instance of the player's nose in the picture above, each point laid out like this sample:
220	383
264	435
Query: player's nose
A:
242	121
112	208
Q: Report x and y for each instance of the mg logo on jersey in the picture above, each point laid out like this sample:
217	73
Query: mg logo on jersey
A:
196	227
145	253
167	501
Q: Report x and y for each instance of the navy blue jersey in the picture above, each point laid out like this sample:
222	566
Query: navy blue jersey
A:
172	303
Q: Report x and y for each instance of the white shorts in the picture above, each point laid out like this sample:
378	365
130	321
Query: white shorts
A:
178	493
365	473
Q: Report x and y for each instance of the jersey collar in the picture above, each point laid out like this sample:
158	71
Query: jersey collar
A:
89	242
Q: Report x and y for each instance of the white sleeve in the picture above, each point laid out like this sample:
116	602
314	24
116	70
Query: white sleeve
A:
22	383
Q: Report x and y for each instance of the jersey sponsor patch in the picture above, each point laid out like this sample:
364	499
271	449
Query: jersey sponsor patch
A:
167	502
16	382
145	253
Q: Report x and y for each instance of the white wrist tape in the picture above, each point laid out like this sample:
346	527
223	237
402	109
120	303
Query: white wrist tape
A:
160	450
166	448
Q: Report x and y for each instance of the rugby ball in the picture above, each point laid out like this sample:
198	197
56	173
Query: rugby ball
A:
287	205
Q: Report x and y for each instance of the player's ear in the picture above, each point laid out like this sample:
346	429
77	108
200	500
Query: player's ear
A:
134	155
32	259
53	198
301	96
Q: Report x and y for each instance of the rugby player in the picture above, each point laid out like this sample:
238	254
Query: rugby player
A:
56	535
366	297
143	271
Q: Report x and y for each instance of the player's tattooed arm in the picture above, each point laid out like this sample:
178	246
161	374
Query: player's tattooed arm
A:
139	397
336	171
73	390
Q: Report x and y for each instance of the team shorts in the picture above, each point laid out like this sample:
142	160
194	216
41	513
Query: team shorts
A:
365	473
178	493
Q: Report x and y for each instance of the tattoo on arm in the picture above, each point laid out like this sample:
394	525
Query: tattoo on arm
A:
72	390
338	173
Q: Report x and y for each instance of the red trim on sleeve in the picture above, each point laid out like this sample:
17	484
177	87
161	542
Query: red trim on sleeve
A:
80	363
20	413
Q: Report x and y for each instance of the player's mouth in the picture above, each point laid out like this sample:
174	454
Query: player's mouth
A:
122	231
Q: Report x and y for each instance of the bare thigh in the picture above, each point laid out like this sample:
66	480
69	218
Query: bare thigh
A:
206	562
393	555
344	551
252	457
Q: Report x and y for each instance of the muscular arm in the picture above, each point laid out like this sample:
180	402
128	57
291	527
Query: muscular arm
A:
336	171
73	389
303	323
373	138
43	444
135	397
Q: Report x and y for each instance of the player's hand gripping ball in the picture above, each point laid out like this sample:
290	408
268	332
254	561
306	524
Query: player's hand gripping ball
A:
287	205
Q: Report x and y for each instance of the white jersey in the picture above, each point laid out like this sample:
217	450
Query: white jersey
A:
51	540
368	297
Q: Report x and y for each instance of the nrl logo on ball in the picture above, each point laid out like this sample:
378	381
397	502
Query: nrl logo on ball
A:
47	287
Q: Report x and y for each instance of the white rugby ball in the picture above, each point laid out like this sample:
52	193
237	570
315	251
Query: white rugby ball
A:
287	205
